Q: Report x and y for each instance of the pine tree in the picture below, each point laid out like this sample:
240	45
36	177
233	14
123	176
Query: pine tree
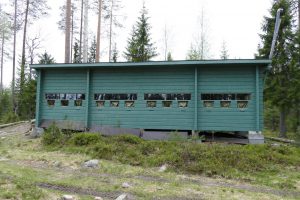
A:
92	52
279	84
139	47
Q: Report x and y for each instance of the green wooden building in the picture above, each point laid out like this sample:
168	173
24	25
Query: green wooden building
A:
214	95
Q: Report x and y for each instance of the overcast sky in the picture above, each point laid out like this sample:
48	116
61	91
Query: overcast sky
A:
237	22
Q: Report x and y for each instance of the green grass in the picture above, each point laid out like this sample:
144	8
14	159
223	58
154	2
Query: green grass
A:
29	162
229	161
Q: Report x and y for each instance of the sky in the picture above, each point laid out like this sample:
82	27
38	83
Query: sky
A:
236	22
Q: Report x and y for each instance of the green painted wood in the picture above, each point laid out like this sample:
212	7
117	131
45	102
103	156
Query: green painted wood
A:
38	98
196	100
194	78
160	64
87	101
257	97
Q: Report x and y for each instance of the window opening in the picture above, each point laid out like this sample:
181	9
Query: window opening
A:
242	104
104	96
51	96
51	103
151	104
64	102
78	103
100	104
183	104
225	104
129	104
167	104
208	104
114	104
149	96
243	97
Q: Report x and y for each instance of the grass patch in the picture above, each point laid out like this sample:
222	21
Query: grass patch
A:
210	159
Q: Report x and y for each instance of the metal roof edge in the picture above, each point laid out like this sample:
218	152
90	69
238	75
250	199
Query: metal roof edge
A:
263	62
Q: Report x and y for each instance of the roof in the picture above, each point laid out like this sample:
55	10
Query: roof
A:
241	62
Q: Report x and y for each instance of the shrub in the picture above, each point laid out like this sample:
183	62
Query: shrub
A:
131	139
52	135
10	117
83	139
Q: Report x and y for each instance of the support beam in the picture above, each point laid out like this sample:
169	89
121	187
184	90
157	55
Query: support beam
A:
257	98
87	98
196	100
38	97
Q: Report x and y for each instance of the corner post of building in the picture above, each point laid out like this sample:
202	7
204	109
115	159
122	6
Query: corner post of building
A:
38	97
196	102
88	77
257	98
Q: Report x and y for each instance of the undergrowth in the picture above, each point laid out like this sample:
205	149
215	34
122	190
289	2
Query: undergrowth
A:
209	159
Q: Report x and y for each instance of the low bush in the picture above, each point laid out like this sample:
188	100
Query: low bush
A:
83	139
10	117
210	159
52	135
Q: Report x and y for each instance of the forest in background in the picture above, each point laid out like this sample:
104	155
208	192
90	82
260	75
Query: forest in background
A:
282	84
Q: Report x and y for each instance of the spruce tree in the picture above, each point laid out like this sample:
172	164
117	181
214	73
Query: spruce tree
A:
92	52
139	47
279	84
46	58
76	54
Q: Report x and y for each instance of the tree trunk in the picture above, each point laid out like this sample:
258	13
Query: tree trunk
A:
282	123
85	31
72	36
80	33
23	61
110	29
14	58
98	32
299	15
68	32
2	54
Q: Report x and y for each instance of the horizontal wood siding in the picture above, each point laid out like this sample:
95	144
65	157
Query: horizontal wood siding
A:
63	81
234	79
140	81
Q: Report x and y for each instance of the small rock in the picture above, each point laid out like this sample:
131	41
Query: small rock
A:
91	163
122	197
68	197
57	164
275	145
159	188
2	138
126	185
98	198
36	132
163	168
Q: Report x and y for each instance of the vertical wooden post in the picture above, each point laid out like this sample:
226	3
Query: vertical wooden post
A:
87	97
196	101
257	98
38	97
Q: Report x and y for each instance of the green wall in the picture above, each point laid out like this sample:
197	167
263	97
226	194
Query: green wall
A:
158	79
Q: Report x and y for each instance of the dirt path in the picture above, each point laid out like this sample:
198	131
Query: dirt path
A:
22	128
201	180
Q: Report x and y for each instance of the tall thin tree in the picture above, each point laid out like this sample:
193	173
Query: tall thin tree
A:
68	32
98	31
